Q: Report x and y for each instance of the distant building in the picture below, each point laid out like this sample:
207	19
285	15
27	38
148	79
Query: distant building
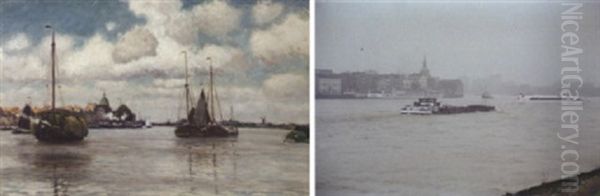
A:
330	86
103	106
324	72
103	112
451	88
372	84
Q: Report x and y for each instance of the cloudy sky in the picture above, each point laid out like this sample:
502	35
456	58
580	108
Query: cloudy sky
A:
132	51
519	40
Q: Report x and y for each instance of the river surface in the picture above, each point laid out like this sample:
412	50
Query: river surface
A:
155	162
366	147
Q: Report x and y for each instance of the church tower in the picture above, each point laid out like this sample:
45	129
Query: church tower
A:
424	75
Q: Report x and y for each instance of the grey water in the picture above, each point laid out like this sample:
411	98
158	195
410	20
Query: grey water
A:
155	162
366	147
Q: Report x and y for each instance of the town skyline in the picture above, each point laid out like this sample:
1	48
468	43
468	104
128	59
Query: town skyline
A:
520	41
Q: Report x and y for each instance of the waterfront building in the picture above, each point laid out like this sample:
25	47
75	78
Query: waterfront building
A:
372	84
330	86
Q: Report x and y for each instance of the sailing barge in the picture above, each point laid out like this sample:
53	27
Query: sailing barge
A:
59	125
201	121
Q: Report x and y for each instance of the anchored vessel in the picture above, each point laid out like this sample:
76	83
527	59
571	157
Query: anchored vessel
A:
523	98
427	106
201	121
59	125
299	133
24	122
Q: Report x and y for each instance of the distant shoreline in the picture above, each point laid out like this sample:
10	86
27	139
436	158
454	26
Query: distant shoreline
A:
589	184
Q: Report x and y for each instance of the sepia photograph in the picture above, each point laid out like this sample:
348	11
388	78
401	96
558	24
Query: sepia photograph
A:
154	97
457	97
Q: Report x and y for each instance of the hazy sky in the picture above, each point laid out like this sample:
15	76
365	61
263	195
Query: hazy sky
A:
132	50
520	41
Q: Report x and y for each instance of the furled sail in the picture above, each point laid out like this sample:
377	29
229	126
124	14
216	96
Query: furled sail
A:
201	115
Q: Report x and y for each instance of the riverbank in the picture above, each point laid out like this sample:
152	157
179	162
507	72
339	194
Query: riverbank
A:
589	184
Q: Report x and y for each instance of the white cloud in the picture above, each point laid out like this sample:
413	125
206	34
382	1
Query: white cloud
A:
110	26
169	83
117	86
36	64
23	67
135	44
266	11
87	61
91	60
17	42
287	39
221	56
153	50
156	12
216	19
287	86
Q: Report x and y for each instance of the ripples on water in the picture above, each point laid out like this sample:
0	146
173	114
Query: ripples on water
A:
154	162
368	147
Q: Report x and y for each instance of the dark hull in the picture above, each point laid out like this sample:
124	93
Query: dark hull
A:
60	126
18	130
206	131
465	109
298	134
24	123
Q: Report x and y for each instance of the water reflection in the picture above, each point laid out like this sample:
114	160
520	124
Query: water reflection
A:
58	165
207	157
154	162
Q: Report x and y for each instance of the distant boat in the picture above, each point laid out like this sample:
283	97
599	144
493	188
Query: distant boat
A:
59	125
523	98
299	133
24	122
201	121
429	105
424	106
486	95
147	124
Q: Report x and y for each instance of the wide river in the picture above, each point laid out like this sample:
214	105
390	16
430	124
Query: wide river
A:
155	162
366	147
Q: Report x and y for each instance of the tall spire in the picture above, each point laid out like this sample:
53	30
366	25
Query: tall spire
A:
424	69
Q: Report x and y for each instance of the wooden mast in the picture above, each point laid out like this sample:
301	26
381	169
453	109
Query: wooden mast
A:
52	55
230	113
187	86
212	104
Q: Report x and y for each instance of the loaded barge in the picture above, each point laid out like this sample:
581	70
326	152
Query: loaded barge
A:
428	106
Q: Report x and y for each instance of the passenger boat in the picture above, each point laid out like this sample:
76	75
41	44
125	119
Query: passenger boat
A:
524	98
